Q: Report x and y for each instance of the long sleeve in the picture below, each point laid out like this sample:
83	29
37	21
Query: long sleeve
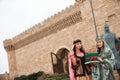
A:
71	71
109	59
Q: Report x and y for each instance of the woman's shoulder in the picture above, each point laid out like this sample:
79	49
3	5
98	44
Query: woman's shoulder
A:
85	50
107	50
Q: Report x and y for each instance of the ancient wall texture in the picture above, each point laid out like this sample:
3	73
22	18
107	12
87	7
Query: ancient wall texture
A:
4	76
30	51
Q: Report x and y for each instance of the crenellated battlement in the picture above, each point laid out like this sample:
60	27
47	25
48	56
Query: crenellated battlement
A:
68	16
29	51
28	32
47	22
8	45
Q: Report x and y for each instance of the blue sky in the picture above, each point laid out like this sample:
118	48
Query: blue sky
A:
17	16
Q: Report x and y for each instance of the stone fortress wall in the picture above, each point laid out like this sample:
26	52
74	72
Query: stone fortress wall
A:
29	51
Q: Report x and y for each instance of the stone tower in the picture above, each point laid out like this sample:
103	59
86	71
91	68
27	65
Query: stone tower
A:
45	46
9	47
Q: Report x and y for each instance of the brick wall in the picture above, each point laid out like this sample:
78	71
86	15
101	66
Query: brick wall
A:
33	47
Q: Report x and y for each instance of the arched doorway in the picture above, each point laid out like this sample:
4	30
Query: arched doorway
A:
60	61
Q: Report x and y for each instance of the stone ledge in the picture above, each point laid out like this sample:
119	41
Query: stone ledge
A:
61	24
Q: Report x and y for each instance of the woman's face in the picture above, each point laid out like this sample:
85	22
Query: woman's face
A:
100	43
78	45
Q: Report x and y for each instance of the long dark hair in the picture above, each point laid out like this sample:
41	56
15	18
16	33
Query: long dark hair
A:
75	55
99	49
81	49
74	48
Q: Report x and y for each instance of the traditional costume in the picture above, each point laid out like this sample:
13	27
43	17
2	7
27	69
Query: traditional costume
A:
104	70
78	70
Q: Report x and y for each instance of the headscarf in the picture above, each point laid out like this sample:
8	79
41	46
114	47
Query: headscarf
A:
107	54
70	55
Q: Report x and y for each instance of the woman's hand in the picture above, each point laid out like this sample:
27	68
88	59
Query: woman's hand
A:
100	59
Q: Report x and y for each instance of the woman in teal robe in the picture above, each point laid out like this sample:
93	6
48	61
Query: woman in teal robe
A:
104	69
